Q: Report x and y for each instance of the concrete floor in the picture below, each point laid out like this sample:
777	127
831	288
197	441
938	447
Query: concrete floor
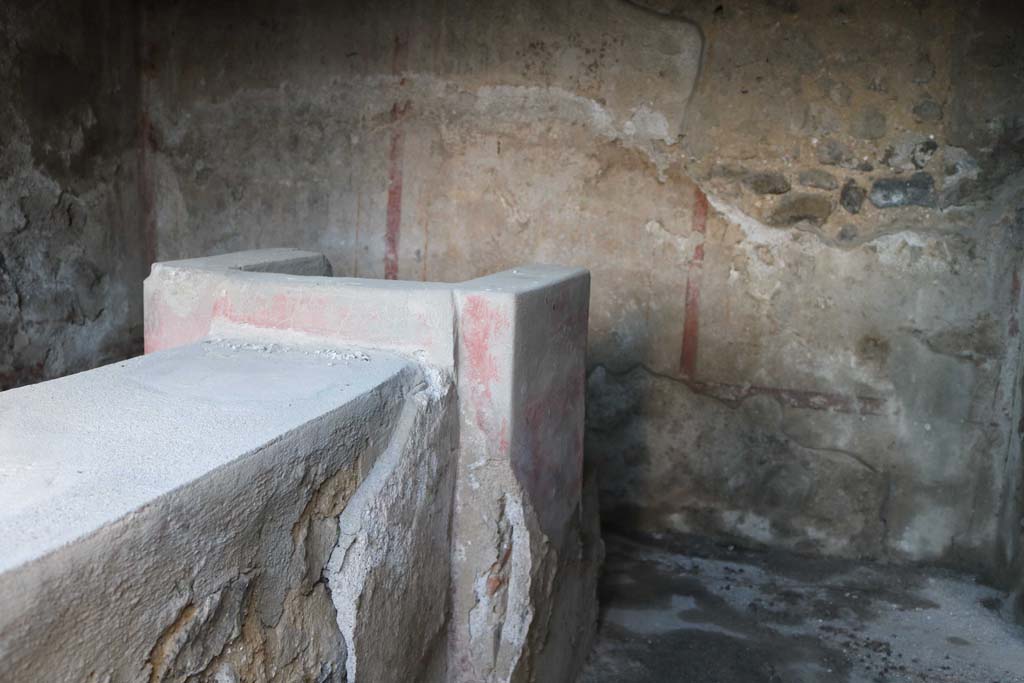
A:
701	612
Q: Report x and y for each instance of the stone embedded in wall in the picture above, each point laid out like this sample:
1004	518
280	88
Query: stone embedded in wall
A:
839	93
728	172
923	71
927	110
869	124
959	181
852	196
811	208
910	152
966	57
923	153
818	179
821	118
831	152
917	190
767	182
877	82
847	233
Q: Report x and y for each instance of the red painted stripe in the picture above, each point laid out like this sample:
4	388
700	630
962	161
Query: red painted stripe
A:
736	393
700	211
691	325
691	319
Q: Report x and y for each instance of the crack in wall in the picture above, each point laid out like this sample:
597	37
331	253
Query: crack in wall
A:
389	539
734	395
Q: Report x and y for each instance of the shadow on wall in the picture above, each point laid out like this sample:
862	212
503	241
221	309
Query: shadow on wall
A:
72	258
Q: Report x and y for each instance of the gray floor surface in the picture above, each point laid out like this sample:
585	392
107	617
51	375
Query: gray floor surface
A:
701	613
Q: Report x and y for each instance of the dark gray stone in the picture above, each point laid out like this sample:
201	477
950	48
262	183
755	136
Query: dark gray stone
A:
923	70
728	171
910	153
787	6
869	124
832	152
812	208
768	182
878	83
918	189
960	184
927	111
923	153
839	93
852	196
848	233
816	178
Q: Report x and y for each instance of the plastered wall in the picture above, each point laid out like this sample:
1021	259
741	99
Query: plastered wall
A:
802	221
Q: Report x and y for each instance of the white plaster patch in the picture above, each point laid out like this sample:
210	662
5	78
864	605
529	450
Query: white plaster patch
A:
395	527
927	534
749	524
648	124
682	243
907	249
521	103
754	230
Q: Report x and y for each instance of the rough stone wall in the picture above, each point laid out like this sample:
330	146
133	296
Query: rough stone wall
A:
863	164
802	220
72	255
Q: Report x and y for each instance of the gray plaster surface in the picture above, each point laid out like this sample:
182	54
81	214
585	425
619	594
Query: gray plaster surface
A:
280	260
445	141
702	612
85	450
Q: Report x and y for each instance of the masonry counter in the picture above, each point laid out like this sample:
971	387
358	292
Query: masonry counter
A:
304	478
